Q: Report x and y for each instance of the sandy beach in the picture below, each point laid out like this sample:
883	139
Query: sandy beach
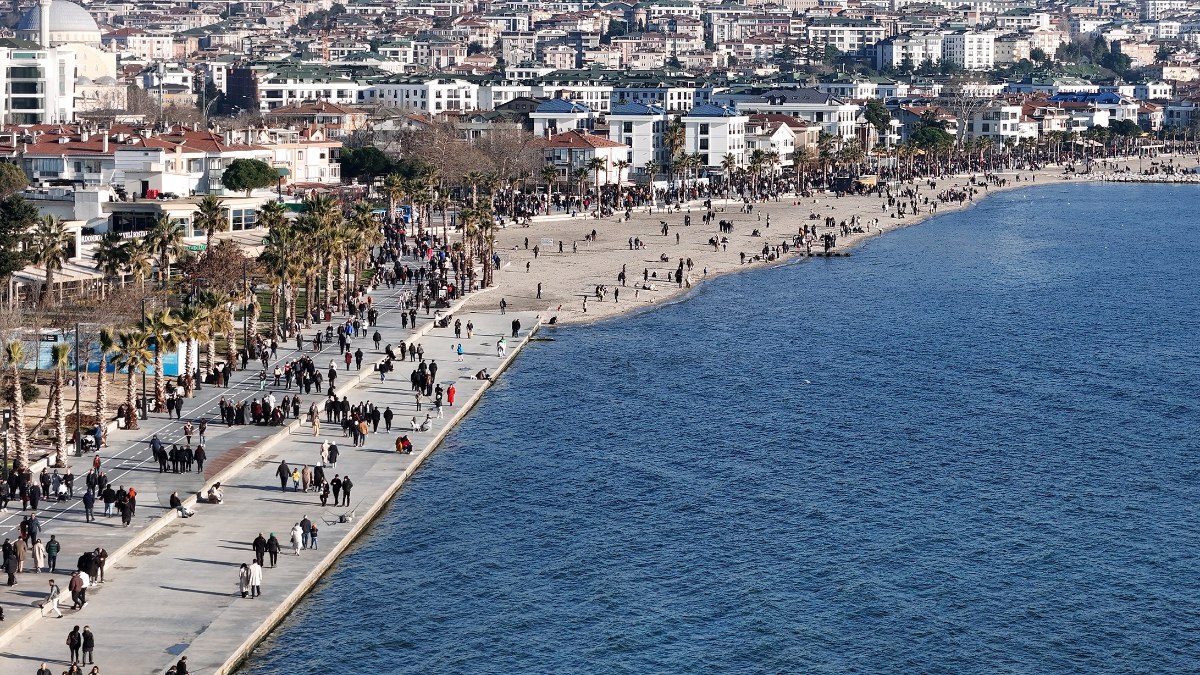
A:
567	277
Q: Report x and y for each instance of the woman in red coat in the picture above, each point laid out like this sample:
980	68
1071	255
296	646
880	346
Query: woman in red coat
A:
450	395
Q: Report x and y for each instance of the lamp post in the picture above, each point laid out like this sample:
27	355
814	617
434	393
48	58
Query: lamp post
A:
78	410
145	405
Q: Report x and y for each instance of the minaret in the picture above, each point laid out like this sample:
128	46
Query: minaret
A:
44	23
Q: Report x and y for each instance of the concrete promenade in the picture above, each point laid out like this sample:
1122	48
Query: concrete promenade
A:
175	592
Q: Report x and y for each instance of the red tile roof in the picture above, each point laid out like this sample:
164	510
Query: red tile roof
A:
575	140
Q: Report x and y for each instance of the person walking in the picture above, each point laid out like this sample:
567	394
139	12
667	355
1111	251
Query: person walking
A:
74	643
255	578
273	549
51	603
89	506
88	645
346	486
297	537
312	535
305	526
39	556
284	474
260	548
52	549
244	578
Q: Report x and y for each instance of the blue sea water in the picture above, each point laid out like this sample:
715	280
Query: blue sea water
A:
971	447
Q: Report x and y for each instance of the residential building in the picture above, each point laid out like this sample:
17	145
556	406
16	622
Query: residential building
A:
715	132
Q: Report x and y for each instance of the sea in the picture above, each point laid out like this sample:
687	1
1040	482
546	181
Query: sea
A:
969	447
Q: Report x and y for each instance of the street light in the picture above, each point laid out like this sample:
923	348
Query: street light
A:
145	406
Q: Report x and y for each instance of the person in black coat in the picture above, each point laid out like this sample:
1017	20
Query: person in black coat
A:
346	485
273	549
284	474
260	548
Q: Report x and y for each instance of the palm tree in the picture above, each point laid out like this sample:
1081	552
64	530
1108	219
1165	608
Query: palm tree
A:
60	355
107	344
598	165
133	354
165	239
15	352
211	216
621	165
215	306
162	326
825	149
674	137
801	159
394	189
279	252
138	259
729	164
652	168
110	258
51	243
192	326
549	176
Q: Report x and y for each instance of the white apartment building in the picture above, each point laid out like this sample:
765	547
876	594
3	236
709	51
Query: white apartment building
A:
832	114
1011	49
1023	19
424	95
1153	10
849	36
560	115
36	85
714	133
908	51
999	122
640	128
969	50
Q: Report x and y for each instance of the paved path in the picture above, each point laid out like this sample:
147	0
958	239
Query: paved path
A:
128	460
176	591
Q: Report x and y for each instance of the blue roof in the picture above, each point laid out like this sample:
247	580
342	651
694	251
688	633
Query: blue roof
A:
636	109
1084	97
561	105
710	110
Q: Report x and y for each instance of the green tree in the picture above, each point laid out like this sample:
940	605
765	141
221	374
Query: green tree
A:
211	217
12	179
191	327
878	116
133	355
1038	55
249	175
109	257
51	243
365	163
17	216
163	328
165	239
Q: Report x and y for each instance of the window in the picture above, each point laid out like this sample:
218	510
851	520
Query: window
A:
703	129
243	219
703	143
627	127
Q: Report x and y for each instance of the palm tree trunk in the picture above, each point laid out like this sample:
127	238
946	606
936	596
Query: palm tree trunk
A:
275	311
130	393
101	389
20	436
231	332
60	420
210	349
187	367
160	392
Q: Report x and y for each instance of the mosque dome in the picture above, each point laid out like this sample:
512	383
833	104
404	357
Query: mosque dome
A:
69	24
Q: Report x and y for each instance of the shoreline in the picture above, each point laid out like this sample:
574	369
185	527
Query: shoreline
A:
600	261
226	633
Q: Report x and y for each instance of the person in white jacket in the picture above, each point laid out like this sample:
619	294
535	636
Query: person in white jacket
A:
297	536
255	579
